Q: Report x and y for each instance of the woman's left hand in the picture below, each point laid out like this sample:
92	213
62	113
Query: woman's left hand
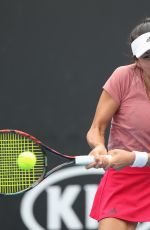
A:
120	159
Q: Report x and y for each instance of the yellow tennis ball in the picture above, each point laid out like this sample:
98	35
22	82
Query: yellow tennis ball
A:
26	160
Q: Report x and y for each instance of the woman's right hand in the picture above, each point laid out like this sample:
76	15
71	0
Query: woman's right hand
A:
99	150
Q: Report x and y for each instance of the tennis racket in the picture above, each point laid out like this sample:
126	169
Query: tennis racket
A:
13	179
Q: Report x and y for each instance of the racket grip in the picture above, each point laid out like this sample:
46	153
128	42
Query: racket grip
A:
85	160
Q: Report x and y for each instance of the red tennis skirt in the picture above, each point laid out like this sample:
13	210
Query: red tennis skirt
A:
123	194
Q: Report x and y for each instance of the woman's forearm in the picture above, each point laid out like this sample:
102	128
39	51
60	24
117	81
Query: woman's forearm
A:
96	136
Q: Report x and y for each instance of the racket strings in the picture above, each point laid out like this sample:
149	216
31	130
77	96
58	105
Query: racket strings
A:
12	178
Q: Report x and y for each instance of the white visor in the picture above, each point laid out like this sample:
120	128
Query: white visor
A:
141	45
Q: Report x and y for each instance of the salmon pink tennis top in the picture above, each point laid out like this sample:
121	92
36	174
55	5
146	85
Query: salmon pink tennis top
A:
130	126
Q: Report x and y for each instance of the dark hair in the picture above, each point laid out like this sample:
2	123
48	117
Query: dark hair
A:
140	29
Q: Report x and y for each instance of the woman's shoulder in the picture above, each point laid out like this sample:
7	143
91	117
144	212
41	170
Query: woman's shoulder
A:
127	69
119	82
124	74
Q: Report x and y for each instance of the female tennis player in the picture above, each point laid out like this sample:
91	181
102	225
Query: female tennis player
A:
123	196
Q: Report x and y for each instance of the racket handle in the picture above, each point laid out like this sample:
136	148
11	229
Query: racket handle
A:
85	160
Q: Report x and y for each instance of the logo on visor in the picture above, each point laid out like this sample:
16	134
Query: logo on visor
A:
148	40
